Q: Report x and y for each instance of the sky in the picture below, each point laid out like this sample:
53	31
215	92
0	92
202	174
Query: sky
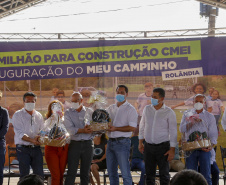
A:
70	16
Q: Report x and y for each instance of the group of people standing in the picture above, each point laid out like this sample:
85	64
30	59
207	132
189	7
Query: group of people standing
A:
155	121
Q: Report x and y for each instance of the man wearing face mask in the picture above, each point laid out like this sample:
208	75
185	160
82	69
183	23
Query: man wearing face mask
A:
204	124
124	120
158	127
81	146
27	123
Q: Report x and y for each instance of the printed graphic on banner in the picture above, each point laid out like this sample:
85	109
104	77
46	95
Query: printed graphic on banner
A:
184	73
189	49
171	59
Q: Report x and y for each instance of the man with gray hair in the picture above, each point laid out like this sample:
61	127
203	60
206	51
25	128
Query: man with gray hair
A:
198	123
81	146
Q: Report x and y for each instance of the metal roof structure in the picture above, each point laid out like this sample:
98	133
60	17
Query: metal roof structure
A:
9	7
216	3
205	32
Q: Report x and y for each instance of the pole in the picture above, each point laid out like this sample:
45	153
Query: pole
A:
5	96
76	84
212	21
40	83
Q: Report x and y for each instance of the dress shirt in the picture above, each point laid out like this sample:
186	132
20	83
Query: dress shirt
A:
73	121
208	125
158	126
26	124
124	115
223	120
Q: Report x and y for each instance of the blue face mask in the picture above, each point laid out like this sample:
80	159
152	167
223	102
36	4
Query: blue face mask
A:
120	98
154	101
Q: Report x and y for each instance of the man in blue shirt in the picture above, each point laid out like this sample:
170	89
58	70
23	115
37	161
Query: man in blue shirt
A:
81	146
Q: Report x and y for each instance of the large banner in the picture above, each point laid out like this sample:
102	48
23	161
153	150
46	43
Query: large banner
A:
169	58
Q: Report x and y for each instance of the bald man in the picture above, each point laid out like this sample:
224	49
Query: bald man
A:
81	146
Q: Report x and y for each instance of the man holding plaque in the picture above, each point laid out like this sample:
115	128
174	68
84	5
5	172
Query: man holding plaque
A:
199	126
81	146
123	121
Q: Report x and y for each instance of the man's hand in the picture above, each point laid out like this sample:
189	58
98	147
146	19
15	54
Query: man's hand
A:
112	128
87	129
207	149
141	148
35	140
170	154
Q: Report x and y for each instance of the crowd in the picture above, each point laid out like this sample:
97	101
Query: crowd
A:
142	137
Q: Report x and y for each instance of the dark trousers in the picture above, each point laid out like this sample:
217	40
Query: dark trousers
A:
2	162
79	150
30	157
153	156
215	173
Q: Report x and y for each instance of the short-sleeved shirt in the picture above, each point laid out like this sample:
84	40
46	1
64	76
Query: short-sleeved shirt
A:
124	115
216	106
99	150
142	101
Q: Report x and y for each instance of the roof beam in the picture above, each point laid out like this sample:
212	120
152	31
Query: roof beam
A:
9	7
185	33
215	3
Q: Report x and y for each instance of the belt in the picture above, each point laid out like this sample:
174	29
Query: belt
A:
82	141
28	146
163	143
117	138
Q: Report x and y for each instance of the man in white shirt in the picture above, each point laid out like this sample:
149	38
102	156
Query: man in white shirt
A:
158	127
205	125
27	123
123	121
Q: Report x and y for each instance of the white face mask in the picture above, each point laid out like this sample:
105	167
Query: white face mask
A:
198	106
75	105
29	106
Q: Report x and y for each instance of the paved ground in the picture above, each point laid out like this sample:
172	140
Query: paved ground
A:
13	181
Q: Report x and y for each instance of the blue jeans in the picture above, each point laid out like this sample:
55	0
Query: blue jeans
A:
30	157
203	159
138	163
2	162
118	153
215	173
